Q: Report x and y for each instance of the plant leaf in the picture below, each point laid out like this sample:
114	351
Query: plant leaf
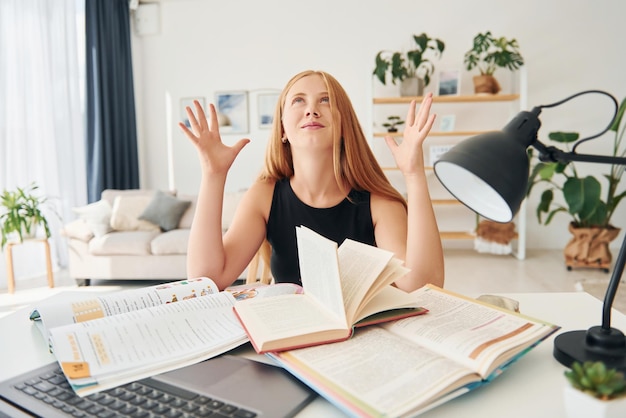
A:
618	116
564	137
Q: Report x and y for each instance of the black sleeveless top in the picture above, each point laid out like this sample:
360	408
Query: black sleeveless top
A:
352	218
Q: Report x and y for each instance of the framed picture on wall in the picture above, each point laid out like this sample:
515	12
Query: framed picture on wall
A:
437	151
449	83
266	105
188	101
232	111
446	123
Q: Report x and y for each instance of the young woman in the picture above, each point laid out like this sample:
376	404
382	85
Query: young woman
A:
319	172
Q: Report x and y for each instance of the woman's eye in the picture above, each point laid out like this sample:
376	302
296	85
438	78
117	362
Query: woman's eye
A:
325	100
297	100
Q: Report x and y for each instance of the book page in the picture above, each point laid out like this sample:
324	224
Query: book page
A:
134	342
359	266
377	373
261	290
80	307
388	296
319	269
469	331
287	321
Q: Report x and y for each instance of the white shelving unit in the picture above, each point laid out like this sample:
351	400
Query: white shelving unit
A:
471	114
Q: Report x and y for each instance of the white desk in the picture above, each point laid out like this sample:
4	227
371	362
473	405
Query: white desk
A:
532	387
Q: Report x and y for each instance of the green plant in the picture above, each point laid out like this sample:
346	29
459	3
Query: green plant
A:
595	379
582	195
21	212
488	53
413	63
392	123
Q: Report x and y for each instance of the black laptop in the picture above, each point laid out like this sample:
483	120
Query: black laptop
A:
224	386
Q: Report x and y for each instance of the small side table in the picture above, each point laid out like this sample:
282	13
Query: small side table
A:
10	272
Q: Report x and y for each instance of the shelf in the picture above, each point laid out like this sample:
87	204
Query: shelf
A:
450	133
474	116
450	202
456	235
394	168
475	98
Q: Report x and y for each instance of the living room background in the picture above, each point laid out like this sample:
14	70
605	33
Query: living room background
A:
202	47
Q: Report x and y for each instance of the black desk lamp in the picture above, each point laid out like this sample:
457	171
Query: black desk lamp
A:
489	174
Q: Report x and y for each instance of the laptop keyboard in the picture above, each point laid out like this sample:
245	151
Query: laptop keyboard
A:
146	398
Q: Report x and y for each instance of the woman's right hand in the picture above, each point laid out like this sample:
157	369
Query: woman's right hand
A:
215	156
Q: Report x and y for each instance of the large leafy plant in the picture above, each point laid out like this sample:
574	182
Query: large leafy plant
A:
582	195
488	53
413	63
21	211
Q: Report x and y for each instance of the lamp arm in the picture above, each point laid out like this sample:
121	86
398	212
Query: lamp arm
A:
611	290
580	141
554	155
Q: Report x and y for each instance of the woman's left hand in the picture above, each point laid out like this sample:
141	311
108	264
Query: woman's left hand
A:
409	154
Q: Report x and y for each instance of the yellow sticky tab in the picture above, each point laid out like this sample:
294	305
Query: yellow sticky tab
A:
76	370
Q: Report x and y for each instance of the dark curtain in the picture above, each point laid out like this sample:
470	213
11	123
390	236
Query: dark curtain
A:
112	161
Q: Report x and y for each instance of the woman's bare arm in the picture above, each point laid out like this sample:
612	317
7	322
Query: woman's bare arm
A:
423	252
206	254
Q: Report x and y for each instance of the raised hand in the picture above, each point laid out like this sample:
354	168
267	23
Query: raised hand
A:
409	154
215	156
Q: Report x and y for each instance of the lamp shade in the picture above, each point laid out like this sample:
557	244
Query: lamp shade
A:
488	173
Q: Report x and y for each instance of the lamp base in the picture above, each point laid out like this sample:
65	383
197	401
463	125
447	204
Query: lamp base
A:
595	344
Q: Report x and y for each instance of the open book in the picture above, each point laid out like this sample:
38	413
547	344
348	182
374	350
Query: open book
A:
108	340
343	287
406	367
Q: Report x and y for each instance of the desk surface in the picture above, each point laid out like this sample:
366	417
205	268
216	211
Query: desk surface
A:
530	387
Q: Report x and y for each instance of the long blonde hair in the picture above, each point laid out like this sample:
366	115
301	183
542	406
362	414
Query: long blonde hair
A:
354	163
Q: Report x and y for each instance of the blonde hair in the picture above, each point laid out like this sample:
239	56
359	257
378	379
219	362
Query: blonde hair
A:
354	163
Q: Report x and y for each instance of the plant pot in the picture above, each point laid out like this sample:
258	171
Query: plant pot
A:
581	405
412	86
589	247
392	130
486	84
494	237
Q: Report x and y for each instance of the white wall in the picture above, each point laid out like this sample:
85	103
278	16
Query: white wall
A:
207	46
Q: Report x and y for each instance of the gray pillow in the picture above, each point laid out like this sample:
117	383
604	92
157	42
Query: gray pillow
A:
165	210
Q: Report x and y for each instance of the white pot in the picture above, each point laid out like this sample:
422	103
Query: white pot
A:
581	405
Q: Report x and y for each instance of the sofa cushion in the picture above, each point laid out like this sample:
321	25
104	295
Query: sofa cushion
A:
123	243
97	216
171	242
110	194
77	229
126	212
165	211
231	200
187	218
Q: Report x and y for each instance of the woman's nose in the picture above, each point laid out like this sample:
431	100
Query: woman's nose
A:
313	112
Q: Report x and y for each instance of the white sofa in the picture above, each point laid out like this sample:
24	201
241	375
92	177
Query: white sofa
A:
110	239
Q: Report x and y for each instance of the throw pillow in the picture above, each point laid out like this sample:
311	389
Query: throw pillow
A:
126	211
165	211
97	216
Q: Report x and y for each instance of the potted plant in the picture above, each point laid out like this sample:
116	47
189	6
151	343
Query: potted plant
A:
489	53
21	212
590	213
594	391
411	69
392	123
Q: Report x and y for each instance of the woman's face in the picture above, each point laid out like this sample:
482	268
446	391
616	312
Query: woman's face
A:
307	120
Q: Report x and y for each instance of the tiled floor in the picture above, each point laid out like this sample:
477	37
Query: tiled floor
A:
467	272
